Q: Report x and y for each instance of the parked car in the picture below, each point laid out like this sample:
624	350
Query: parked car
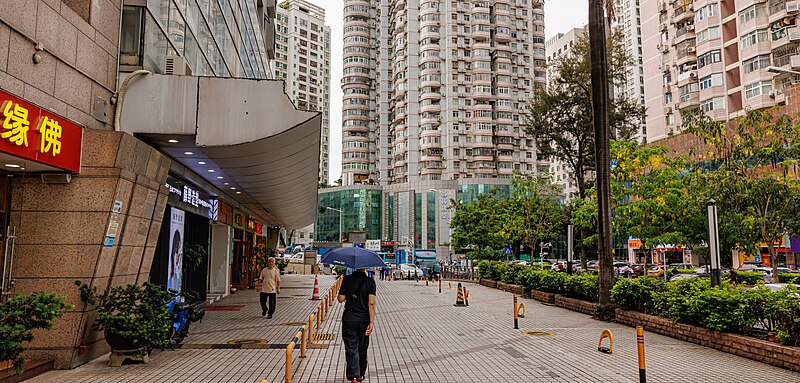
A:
768	270
406	271
780	286
680	276
296	258
681	266
593	265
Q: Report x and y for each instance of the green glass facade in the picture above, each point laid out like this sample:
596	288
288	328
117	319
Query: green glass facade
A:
468	193
431	202
390	234
418	220
361	211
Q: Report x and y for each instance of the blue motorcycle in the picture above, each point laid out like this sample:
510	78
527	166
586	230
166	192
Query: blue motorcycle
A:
184	312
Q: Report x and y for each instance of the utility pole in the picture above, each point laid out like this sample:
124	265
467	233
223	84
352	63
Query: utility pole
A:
600	100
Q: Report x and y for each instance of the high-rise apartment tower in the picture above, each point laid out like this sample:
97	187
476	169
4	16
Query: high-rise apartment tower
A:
303	61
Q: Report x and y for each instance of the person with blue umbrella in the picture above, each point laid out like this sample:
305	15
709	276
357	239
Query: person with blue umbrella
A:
358	293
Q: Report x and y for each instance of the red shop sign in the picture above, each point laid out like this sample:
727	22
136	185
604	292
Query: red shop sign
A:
30	132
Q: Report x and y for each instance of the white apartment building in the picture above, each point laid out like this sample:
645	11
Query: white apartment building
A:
628	20
303	61
713	55
558	46
435	94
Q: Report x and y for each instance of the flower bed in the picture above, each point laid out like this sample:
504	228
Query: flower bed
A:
573	304
748	347
543	296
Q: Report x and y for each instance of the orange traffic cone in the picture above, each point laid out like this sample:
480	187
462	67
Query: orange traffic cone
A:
316	297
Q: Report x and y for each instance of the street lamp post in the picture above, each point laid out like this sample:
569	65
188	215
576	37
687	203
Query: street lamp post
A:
779	70
570	249
541	253
713	242
340	221
450	236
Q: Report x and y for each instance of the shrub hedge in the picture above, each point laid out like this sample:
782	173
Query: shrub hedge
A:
725	308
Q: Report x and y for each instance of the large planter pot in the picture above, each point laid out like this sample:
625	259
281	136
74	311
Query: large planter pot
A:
122	343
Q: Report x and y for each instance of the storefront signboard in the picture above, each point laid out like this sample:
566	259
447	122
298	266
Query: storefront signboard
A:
189	199
33	133
251	225
175	269
259	228
225	215
373	245
238	219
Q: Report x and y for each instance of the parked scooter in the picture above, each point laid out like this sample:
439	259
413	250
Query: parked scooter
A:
184	312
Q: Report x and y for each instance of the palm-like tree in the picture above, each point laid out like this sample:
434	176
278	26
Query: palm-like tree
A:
600	101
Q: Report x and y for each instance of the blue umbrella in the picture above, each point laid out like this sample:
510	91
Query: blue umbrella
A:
353	257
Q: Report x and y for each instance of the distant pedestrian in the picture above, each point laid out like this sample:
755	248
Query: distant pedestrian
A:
437	269
269	285
358	319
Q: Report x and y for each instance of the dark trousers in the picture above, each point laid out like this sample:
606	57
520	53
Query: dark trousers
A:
355	346
271	308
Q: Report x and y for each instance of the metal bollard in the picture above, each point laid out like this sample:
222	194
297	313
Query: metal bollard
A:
640	347
303	336
516	318
440	284
310	328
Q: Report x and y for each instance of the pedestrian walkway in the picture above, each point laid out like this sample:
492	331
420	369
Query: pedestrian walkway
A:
420	336
208	354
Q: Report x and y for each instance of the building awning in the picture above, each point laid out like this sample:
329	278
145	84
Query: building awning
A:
243	136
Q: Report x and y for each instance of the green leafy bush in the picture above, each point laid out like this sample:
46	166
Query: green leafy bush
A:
514	274
484	269
498	270
582	286
747	277
21	314
672	302
719	308
340	270
135	312
636	294
789	278
552	282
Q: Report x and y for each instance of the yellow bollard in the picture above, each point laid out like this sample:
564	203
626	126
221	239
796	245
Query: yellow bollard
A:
288	373
521	307
322	312
606	334
310	328
317	317
303	342
640	349
516	319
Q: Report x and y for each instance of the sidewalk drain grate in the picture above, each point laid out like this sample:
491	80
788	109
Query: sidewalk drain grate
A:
537	333
322	337
293	323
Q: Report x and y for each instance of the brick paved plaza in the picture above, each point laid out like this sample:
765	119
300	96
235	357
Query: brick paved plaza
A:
421	337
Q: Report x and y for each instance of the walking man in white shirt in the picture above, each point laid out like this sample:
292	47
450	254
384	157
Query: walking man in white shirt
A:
270	286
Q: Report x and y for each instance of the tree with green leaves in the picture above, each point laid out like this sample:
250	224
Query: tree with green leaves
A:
532	213
560	118
754	160
476	225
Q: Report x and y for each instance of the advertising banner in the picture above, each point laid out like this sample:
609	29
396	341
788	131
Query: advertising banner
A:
176	238
373	245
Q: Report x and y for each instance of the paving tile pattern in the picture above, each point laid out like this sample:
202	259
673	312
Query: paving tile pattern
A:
421	337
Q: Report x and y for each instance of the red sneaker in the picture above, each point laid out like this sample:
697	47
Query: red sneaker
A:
360	378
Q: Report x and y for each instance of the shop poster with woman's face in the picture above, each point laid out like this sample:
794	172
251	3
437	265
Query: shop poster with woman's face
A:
175	269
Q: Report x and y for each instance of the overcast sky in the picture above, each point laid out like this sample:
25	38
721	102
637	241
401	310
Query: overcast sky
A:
559	16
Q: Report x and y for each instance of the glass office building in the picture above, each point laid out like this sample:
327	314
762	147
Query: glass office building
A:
361	212
217	38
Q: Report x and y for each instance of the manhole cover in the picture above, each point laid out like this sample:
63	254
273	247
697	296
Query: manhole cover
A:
248	341
322	337
293	323
537	333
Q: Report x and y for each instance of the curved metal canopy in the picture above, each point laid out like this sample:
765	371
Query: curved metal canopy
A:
243	136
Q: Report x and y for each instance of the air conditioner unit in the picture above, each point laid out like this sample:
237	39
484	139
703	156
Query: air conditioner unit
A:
772	94
795	61
794	36
56	178
663	27
691	49
792	7
177	65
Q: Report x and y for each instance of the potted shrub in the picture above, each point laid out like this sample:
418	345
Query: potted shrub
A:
21	314
133	317
281	264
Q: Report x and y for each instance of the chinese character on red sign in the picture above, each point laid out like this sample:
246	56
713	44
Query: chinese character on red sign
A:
55	141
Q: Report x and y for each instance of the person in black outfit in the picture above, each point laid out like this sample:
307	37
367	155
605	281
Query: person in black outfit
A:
358	319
